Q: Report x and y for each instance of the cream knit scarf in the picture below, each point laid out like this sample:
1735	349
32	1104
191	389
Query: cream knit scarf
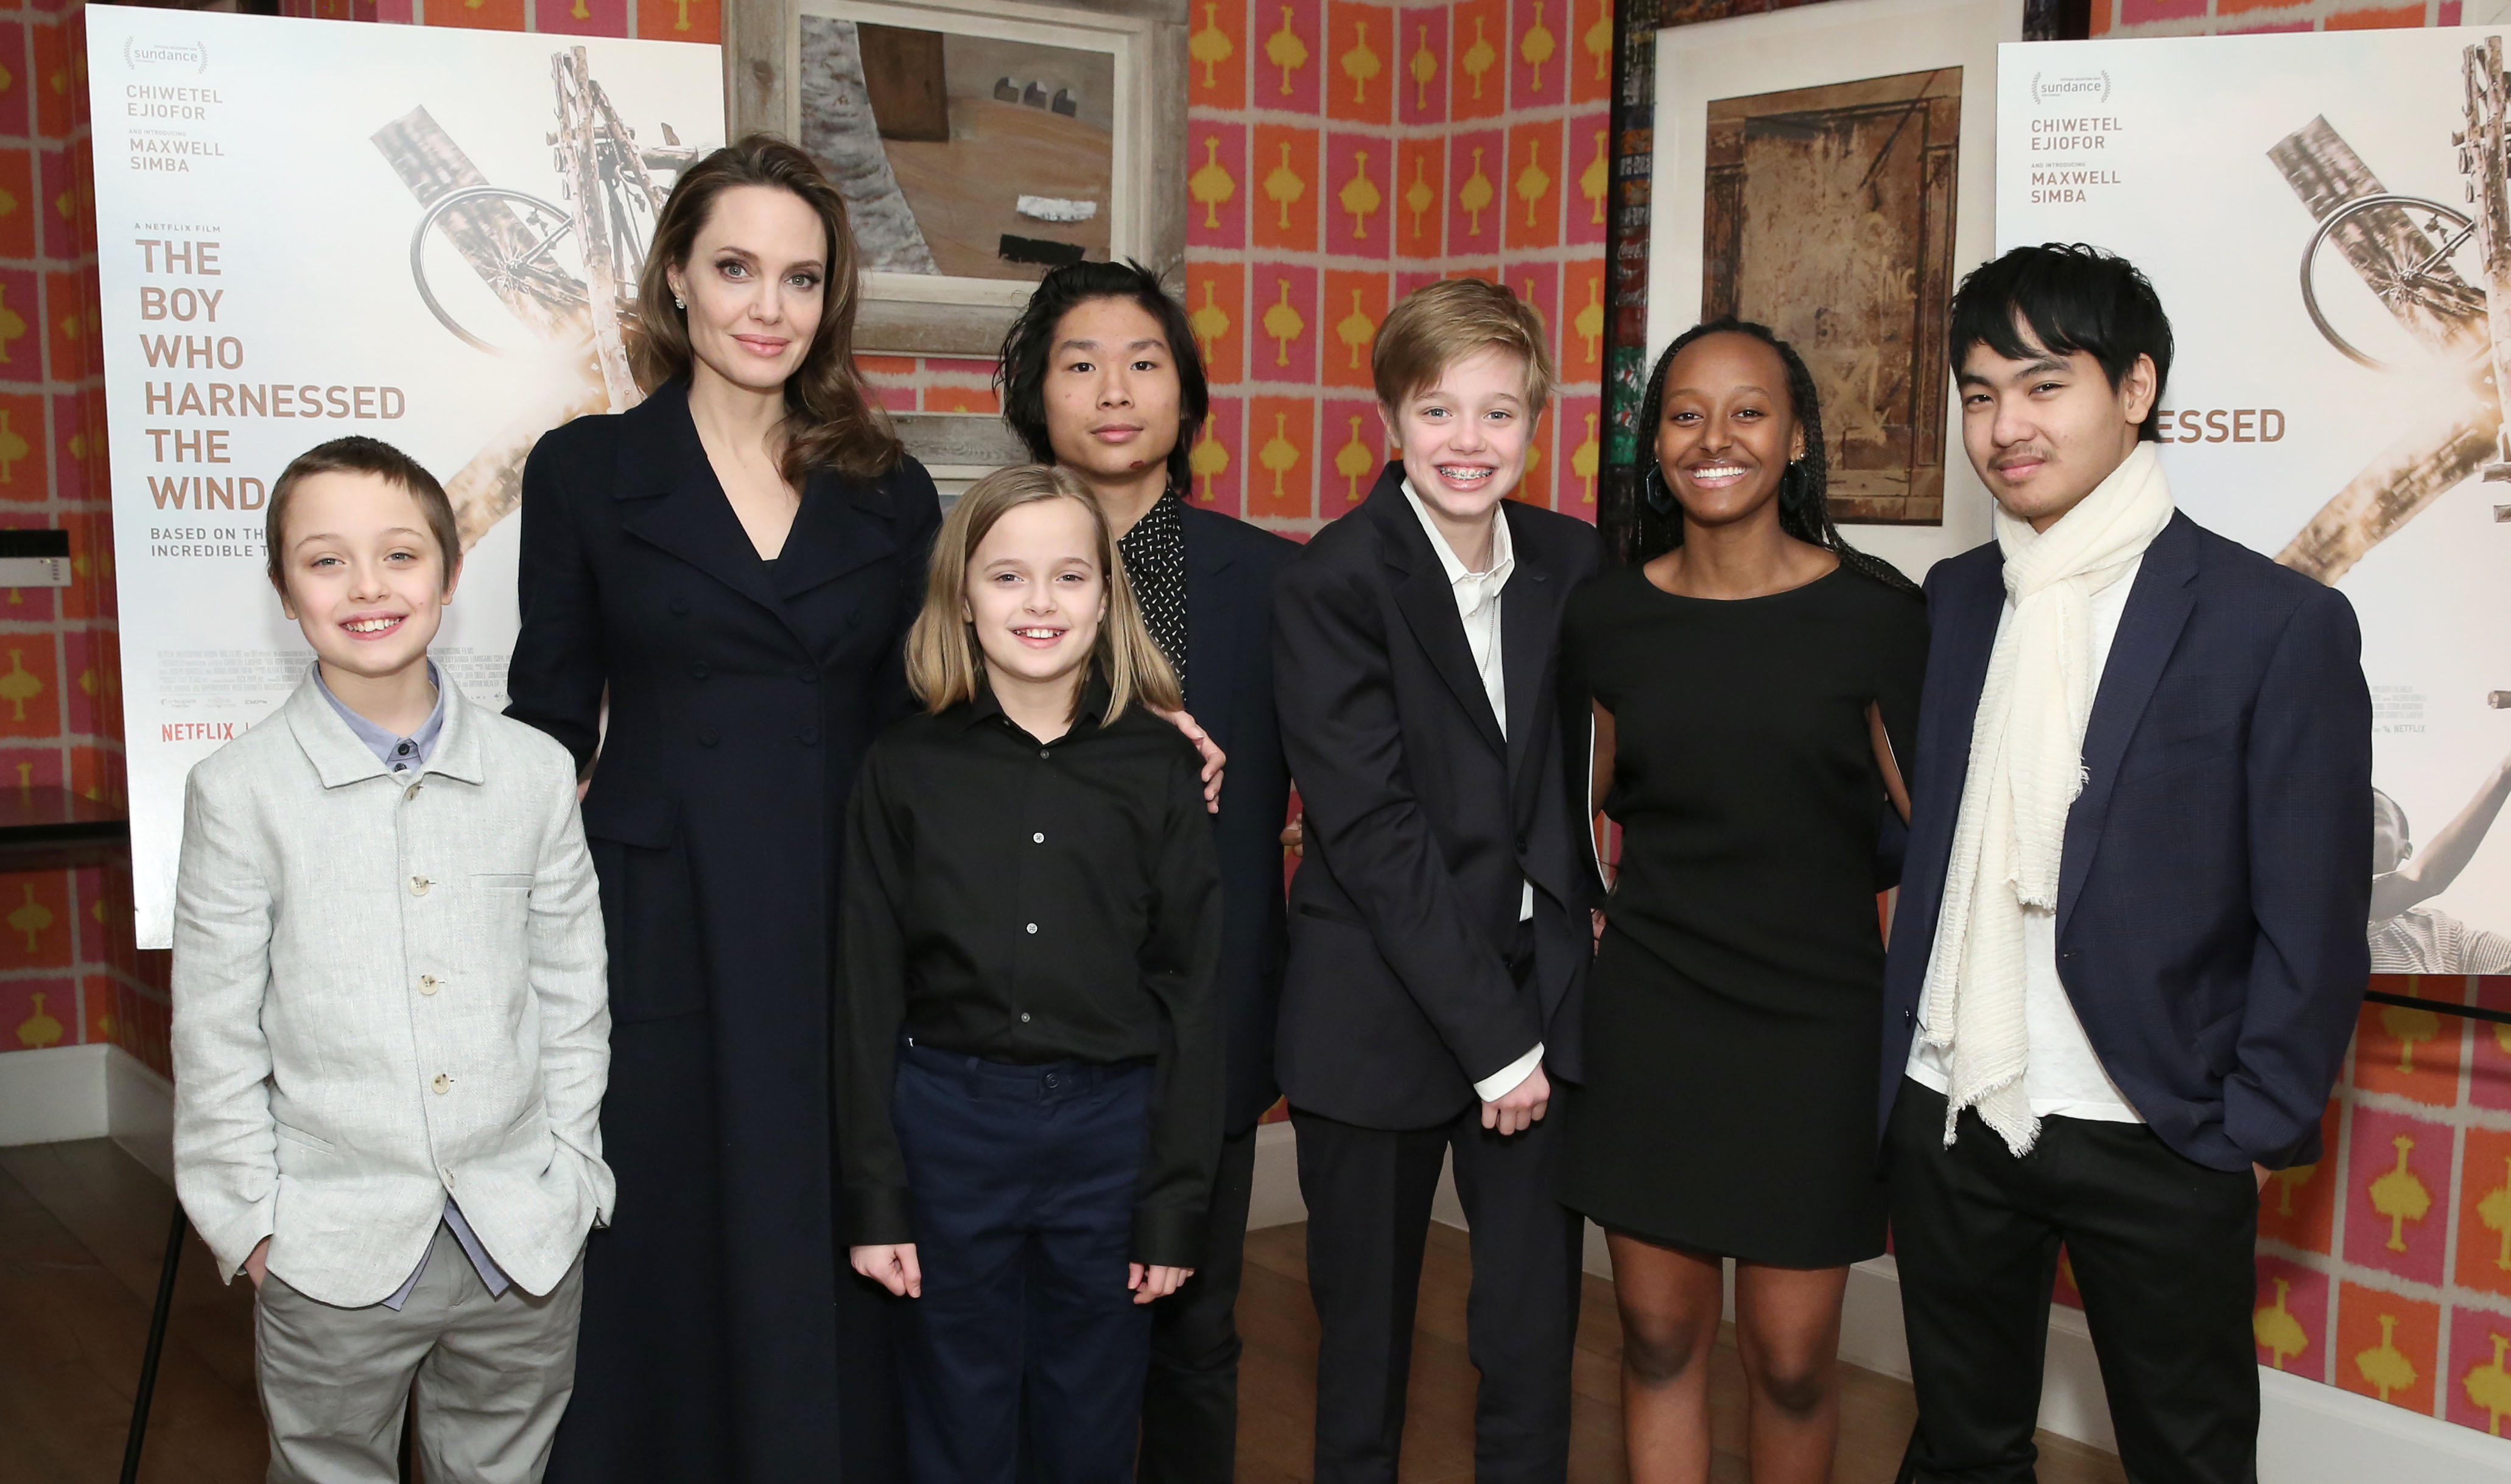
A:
2026	765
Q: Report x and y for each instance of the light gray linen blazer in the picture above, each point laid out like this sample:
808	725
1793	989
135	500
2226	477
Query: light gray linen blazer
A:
385	993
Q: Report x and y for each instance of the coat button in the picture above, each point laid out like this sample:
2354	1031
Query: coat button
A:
807	675
699	669
1037	838
854	617
706	737
447	1173
419	885
1908	1017
1033	928
442	1083
808	737
679	607
411	791
427	984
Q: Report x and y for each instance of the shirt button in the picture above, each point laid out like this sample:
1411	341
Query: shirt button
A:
679	606
699	669
419	885
808	737
1042	752
442	1083
706	737
447	1173
1033	926
412	791
427	984
1024	1017
1037	839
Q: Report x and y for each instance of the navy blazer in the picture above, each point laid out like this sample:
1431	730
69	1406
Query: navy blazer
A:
1424	822
1229	571
2216	871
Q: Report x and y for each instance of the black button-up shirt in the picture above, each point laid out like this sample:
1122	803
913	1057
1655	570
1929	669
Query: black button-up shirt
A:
1155	555
1027	903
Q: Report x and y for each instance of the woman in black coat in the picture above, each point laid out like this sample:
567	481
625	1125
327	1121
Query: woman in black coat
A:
731	566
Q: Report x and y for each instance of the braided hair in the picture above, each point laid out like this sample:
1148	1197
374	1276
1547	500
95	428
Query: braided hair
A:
1804	488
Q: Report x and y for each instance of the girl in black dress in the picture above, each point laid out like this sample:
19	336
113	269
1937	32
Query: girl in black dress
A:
1753	682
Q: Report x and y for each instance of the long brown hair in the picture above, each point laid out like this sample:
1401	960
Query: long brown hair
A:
831	421
944	659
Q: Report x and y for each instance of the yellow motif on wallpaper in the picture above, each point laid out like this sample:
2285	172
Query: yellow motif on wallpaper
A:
1281	322
1588	322
27	785
1208	322
2494	1213
20	684
2288	1180
1210	46
1584	460
2276	1330
1284	50
1360	194
38	1030
2408	1027
1356	329
1480	57
1284	186
12	325
1361	64
2488	1385
1210	457
1527	294
1420	196
1425	66
683	22
7	79
2386	1366
31	917
1532	183
1354	462
1594	180
1279	454
2399	1194
1537	47
579	13
1475	195
13	447
1599	42
8	199
1212	183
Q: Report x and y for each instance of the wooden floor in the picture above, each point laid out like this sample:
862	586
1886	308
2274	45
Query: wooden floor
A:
82	1232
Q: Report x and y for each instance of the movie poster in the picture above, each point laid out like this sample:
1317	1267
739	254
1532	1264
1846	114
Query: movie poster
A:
2323	216
309	229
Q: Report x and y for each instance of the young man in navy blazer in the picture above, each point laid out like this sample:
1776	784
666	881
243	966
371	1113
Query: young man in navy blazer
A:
2126	961
1100	376
1439	932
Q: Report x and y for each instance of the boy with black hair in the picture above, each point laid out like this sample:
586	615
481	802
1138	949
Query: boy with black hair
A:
1100	377
392	1022
2126	964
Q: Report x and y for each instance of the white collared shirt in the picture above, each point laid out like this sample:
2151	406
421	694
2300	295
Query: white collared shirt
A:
2064	1077
1477	600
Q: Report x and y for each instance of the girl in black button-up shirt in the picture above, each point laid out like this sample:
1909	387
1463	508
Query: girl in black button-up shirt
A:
1028	1061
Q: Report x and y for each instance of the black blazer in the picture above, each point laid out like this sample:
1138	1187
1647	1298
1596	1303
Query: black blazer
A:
2218	864
1230	567
1422	821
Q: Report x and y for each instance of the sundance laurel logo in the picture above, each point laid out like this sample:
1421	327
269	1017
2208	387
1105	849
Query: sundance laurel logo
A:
189	56
2092	88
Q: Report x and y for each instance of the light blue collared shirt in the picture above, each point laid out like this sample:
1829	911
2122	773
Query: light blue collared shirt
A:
408	754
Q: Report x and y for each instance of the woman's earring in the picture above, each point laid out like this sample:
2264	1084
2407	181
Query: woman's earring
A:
679	303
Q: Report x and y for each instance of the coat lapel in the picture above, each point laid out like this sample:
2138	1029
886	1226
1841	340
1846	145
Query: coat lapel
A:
1964	620
1213	601
1529	616
2157	610
1429	603
842	525
676	503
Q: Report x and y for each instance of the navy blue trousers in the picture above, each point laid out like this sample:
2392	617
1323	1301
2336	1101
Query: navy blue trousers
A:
1022	1183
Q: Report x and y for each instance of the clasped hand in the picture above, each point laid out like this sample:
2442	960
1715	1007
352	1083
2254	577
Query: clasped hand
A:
893	1265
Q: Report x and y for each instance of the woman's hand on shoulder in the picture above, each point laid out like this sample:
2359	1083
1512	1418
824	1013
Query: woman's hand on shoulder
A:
1213	759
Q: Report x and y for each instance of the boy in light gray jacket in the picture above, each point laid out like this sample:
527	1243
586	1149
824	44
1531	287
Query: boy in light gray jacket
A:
391	1014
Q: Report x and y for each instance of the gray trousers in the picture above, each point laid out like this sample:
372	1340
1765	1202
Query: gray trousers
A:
492	1378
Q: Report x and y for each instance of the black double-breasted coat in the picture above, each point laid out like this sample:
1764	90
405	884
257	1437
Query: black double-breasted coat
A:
722	1340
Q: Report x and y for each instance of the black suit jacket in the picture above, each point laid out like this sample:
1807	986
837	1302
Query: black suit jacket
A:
2217	868
1230	567
1423	820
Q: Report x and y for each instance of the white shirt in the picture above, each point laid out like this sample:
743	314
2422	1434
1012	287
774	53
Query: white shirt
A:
2065	1078
1477	600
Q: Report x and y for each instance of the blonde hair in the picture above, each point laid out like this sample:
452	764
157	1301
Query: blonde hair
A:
1440	324
944	662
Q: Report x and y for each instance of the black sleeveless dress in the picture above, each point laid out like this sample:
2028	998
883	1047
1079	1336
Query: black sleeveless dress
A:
1733	1019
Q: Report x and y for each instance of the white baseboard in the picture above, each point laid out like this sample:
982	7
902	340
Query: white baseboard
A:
63	1093
2309	1433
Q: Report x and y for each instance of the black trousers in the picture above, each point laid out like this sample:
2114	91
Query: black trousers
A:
2161	1247
1025	1356
1190	1403
1369	1193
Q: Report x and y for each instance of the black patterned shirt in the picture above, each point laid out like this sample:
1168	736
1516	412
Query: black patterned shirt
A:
1155	555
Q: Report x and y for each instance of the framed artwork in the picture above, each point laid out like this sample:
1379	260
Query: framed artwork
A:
1830	171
